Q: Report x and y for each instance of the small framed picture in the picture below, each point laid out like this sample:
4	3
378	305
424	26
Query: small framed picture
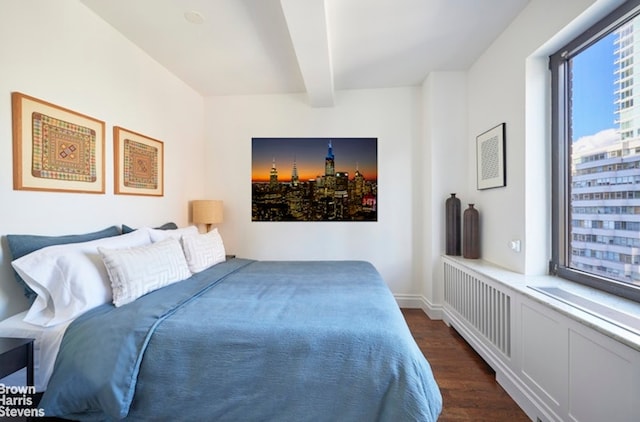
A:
491	158
139	164
55	149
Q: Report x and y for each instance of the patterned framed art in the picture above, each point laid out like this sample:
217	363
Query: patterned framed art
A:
139	163
56	149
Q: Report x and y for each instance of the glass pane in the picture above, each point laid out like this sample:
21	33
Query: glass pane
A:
605	157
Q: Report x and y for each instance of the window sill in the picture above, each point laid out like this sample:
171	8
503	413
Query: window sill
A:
527	285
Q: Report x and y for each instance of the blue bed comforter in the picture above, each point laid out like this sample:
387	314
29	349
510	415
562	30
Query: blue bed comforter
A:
248	341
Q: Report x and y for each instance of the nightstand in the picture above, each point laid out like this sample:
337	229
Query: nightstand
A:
15	354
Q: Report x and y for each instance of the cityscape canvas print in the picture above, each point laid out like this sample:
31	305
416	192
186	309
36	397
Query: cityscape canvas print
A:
314	179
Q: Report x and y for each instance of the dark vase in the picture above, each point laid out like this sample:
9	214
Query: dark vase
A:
471	233
452	230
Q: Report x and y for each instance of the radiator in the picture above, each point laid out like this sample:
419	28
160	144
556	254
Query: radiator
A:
483	308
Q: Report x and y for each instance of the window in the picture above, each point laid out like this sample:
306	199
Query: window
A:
596	155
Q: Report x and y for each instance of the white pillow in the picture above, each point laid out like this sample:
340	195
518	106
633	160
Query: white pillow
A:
158	235
137	271
70	279
203	250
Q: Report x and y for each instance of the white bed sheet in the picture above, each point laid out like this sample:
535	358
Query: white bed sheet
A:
45	346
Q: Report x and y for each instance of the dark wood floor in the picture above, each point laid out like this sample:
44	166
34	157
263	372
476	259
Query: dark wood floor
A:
468	385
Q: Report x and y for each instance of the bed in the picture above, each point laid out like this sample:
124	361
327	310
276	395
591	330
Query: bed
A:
243	340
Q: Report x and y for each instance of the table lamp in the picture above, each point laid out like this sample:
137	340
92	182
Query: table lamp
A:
207	212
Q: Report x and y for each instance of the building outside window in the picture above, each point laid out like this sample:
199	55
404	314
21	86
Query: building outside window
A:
596	155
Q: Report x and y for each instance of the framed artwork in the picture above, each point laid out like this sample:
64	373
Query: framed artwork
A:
56	149
314	179
491	158
139	164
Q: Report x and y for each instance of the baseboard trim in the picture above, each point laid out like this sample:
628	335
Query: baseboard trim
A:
432	310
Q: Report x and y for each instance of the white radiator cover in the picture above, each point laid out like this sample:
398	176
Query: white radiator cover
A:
554	367
480	305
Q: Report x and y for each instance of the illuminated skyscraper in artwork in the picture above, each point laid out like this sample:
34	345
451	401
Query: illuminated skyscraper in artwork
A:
273	175
329	172
329	162
295	179
359	183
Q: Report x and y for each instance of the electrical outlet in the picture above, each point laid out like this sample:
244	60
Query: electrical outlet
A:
515	245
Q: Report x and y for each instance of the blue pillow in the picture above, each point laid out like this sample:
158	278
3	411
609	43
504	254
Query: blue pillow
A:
23	244
167	226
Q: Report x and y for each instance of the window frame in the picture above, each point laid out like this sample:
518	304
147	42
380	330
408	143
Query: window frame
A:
561	157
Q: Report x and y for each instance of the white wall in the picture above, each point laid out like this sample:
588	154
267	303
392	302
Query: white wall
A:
445	156
509	83
60	52
391	115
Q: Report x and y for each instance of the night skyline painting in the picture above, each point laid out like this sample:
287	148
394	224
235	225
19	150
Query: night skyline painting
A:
314	179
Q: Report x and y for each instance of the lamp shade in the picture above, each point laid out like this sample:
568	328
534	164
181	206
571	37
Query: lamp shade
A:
207	211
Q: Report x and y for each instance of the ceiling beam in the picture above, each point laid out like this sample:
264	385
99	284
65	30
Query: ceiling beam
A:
307	23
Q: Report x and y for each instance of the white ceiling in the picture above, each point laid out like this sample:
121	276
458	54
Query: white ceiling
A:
312	46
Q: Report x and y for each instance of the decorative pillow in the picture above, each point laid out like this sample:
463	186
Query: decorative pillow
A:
158	235
23	244
70	279
165	226
203	250
137	271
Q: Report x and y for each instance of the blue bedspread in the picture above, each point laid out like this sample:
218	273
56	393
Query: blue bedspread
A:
248	341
